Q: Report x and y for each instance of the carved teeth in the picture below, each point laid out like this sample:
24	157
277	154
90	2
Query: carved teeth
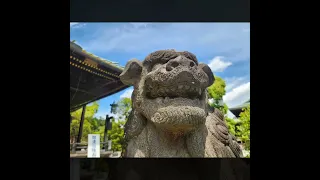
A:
166	99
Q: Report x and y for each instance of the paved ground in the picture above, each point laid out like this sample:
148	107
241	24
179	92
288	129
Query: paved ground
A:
83	154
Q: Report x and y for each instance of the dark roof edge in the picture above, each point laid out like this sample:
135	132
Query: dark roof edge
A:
78	49
247	103
98	98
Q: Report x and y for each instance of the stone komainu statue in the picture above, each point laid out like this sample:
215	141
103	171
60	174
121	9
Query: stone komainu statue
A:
170	114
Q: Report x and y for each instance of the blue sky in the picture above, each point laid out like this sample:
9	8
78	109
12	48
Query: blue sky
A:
225	47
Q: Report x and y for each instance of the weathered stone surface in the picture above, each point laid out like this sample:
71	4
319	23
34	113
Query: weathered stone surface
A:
170	115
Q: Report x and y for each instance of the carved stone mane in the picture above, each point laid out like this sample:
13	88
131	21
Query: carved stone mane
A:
170	116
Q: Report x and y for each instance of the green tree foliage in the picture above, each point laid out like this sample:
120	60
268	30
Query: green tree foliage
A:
231	123
224	108
116	135
217	91
74	129
87	124
244	129
94	125
241	127
123	108
91	110
100	127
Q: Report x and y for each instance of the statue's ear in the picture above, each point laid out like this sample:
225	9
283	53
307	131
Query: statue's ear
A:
132	72
208	71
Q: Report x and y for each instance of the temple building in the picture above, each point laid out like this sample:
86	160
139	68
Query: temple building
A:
238	109
91	78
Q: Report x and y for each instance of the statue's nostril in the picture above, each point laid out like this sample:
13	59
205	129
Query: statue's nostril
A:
168	68
174	64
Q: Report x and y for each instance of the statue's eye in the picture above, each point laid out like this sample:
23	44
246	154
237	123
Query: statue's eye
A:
156	66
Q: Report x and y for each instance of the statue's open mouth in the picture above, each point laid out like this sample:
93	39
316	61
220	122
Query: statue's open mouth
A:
176	103
189	90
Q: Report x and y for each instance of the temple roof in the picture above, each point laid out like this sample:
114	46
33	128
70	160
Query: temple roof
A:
91	77
242	105
238	109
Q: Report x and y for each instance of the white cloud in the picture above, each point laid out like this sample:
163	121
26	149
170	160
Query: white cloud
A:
75	25
207	39
238	95
126	94
139	25
234	82
218	65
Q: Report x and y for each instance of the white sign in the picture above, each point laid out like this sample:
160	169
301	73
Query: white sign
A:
93	146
